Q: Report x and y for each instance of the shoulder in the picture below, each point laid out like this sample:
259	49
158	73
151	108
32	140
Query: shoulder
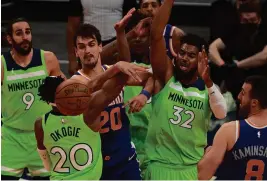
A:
177	32
49	55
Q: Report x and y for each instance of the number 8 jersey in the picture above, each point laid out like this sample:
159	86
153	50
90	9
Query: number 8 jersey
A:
21	105
177	133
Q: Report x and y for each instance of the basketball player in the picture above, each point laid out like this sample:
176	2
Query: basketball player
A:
241	146
23	70
118	153
184	99
72	144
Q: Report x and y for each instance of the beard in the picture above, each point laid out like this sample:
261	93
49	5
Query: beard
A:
22	51
182	75
244	111
92	63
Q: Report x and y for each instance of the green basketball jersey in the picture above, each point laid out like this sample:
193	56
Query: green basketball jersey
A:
177	132
74	149
21	105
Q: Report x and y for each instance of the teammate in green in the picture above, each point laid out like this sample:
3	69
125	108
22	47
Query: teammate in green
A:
71	145
184	99
23	70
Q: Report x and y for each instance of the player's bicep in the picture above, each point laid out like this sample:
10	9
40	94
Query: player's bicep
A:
161	64
52	64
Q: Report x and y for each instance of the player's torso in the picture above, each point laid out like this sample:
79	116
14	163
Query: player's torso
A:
21	104
74	149
248	158
179	124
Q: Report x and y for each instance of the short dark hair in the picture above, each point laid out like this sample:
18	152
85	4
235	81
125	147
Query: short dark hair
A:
194	40
250	6
9	29
88	31
48	88
141	2
259	89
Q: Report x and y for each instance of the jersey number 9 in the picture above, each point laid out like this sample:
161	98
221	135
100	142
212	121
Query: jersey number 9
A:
28	99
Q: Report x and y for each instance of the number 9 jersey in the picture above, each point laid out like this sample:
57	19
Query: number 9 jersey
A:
21	105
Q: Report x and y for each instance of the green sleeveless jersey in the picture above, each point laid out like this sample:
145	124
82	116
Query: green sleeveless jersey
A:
74	149
177	132
21	105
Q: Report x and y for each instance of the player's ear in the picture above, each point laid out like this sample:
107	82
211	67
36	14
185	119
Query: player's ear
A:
254	102
100	47
9	39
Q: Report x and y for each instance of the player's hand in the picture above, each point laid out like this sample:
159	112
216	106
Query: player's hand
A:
143	27
136	104
120	26
73	67
203	66
131	69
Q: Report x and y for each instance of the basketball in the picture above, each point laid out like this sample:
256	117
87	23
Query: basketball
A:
72	97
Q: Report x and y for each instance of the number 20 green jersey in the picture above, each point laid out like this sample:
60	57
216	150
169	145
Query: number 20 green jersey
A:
21	105
74	149
177	132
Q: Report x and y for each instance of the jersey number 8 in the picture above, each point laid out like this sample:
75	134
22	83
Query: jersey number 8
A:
250	172
59	167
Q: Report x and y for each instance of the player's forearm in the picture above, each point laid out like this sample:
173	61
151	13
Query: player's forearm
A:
71	27
214	54
149	86
123	47
205	170
45	158
111	49
256	60
161	19
217	102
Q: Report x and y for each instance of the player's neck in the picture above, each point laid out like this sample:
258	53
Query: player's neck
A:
189	81
258	118
22	60
92	72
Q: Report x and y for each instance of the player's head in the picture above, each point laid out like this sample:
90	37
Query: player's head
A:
19	36
186	62
140	45
252	97
48	88
88	45
149	7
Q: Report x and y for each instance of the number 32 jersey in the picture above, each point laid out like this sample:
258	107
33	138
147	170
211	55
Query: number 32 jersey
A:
21	105
177	133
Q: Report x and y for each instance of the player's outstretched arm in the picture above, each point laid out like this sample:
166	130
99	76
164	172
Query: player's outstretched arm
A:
161	65
122	43
102	98
39	135
52	64
213	158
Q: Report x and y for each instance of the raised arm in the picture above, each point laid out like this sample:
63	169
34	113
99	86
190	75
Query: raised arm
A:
161	65
214	51
75	11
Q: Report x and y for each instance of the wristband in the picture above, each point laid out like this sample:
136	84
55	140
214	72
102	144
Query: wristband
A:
146	93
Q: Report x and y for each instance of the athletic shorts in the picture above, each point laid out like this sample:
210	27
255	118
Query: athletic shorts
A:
129	170
19	150
158	171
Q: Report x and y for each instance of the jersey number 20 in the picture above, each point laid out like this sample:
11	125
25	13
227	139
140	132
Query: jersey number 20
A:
59	167
177	113
115	114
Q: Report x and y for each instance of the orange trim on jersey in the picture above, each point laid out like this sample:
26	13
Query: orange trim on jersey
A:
255	126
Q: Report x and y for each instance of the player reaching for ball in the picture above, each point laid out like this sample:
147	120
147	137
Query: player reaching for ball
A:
23	69
118	152
71	145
